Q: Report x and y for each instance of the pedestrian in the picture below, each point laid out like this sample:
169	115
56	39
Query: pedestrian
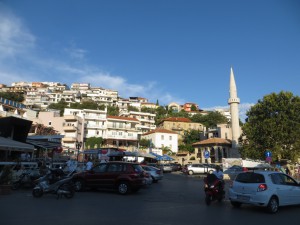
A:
89	165
287	170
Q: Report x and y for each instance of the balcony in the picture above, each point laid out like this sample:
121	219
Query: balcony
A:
95	126
69	139
69	128
70	118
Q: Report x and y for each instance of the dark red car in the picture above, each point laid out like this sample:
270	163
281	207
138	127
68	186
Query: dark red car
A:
124	177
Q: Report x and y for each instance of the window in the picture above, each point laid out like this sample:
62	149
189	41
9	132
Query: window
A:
162	137
100	168
49	123
170	138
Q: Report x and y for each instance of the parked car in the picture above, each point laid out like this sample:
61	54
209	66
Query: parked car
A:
198	168
121	176
167	168
148	177
154	172
176	166
269	189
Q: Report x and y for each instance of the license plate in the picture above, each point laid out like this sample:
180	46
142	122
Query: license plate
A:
243	198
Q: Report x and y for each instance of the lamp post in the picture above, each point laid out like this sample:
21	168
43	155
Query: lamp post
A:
78	146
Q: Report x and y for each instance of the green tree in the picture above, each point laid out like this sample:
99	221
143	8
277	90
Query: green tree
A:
191	136
61	105
210	120
193	108
273	124
113	110
94	142
88	104
148	110
14	96
132	108
145	143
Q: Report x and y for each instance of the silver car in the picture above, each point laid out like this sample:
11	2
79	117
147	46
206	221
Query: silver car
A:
155	173
198	168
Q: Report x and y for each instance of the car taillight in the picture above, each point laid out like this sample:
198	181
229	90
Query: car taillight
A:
262	187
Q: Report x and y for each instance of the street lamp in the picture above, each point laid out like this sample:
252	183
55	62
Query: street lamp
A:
78	146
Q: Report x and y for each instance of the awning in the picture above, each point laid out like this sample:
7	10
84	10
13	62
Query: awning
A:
44	144
7	144
162	157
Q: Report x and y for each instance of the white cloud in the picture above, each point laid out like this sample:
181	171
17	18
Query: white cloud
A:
14	37
22	60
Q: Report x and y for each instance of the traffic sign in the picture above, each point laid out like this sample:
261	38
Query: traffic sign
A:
268	153
206	154
269	159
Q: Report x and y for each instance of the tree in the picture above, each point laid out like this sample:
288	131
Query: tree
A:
14	96
88	104
190	137
113	110
40	129
273	124
94	142
61	105
132	108
210	120
145	143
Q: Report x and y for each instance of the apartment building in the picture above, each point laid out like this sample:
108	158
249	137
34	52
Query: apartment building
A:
122	132
146	120
116	131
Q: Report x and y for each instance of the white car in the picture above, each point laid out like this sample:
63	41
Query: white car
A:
269	189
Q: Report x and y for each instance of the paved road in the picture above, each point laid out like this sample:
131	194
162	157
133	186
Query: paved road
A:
177	200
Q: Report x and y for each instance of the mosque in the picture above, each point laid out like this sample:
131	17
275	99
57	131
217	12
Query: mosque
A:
222	142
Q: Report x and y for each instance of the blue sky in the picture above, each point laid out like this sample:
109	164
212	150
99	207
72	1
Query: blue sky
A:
166	50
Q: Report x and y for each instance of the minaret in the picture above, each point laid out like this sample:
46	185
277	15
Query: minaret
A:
234	102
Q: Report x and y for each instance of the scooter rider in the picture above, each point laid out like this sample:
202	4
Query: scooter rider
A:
219	174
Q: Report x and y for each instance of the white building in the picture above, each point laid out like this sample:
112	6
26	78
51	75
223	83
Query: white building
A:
162	138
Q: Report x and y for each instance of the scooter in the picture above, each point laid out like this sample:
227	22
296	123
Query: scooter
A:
54	182
26	179
213	188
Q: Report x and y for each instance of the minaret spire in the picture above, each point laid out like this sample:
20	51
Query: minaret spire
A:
234	102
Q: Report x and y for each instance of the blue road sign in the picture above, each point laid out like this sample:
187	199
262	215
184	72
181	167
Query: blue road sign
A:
268	153
206	154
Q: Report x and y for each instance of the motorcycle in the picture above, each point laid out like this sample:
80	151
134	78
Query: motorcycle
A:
26	179
54	182
213	188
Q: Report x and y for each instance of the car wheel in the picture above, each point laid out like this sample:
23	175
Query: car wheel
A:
79	185
273	205
68	188
236	204
37	192
191	172
123	188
